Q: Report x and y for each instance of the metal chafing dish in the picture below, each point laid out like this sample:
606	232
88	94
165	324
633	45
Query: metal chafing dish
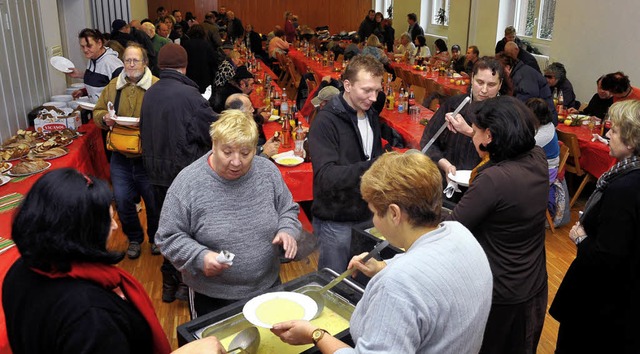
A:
229	320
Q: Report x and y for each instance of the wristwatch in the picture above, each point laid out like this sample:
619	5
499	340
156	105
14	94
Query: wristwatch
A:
317	335
580	239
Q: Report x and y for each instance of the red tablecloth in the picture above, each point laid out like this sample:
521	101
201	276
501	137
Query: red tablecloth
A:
410	129
445	81
86	154
302	63
594	155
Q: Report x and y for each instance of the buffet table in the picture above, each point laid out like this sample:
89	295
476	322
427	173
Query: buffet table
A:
594	155
87	155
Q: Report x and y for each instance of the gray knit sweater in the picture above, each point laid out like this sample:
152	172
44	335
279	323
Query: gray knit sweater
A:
203	211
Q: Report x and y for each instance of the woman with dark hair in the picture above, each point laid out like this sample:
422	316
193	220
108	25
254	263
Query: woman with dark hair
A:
201	58
597	302
453	149
422	49
442	56
556	76
65	289
504	208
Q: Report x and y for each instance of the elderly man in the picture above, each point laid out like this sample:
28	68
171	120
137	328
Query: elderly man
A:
128	175
513	50
164	30
174	128
414	28
344	140
509	36
556	76
619	87
266	148
241	82
156	41
229	201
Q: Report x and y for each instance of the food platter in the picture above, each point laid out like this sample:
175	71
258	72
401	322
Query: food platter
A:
47	166
52	153
275	301
461	177
62	64
289	160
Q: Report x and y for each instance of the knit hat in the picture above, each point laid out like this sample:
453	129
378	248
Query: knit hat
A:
172	56
117	25
242	73
324	95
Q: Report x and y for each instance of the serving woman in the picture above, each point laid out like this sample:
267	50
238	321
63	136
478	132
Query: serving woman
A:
504	208
229	200
597	301
435	298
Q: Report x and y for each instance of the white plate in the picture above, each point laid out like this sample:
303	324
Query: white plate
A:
30	173
4	180
273	118
86	105
127	120
77	85
62	64
461	178
3	170
289	161
249	310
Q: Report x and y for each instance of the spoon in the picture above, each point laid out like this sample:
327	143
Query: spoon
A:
247	341
317	295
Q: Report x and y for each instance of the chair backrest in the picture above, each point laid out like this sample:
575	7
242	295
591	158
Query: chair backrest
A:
564	156
570	140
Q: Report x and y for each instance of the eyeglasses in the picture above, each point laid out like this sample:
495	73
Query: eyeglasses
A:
133	61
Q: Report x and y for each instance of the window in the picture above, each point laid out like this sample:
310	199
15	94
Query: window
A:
440	12
528	24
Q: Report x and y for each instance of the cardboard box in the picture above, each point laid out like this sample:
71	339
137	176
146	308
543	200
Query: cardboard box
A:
48	123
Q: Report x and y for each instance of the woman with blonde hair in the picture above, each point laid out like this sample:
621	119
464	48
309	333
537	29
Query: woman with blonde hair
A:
373	48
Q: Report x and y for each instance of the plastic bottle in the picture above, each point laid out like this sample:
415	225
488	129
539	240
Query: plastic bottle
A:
401	101
284	107
299	143
276	102
411	101
560	107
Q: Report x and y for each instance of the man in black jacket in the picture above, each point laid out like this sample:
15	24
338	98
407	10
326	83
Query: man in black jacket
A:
344	140
513	50
174	129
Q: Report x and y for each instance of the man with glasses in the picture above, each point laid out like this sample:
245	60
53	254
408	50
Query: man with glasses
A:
128	174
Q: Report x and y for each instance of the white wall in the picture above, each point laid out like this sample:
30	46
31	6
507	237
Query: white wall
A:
52	37
594	37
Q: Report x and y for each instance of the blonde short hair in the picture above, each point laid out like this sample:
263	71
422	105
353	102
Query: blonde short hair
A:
410	180
234	127
149	29
626	116
373	41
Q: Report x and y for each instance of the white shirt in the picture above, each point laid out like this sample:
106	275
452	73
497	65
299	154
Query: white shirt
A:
366	134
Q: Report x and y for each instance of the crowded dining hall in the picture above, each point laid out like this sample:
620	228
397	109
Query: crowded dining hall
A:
370	176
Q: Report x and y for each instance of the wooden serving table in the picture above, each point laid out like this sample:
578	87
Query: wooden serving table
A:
86	154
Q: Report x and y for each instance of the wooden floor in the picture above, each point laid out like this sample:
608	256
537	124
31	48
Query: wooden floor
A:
560	254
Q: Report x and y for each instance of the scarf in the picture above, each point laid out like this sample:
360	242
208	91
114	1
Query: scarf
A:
111	277
619	169
478	168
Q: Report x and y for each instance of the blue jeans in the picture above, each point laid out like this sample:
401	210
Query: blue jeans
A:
130	180
335	243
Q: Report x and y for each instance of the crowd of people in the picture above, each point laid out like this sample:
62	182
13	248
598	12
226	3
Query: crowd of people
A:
471	281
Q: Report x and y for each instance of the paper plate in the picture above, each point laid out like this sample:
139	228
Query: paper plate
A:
273	118
77	85
86	105
127	120
308	305
62	64
461	178
61	98
289	161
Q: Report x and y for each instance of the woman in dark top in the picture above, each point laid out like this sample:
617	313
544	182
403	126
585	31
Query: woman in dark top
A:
64	295
504	208
597	302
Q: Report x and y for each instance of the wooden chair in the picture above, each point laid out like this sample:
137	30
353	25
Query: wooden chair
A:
294	75
419	92
564	155
396	84
573	162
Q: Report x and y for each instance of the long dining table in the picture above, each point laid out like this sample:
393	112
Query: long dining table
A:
87	155
594	155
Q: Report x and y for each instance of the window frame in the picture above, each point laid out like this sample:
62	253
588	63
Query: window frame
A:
537	22
435	6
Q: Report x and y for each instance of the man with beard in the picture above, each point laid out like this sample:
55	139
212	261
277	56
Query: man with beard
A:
128	174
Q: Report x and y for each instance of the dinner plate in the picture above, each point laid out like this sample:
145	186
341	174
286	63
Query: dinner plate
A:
5	167
62	64
127	120
86	105
461	178
4	180
77	85
308	305
289	161
30	173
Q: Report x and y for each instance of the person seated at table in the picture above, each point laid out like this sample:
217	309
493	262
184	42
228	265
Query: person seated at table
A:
505	208
353	48
509	36
228	61
266	148
457	60
442	56
65	290
278	44
513	50
435	297
599	104
406	45
422	49
453	149
373	48
253	41
597	301
528	83
246	209
619	87
556	76
242	82
471	57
